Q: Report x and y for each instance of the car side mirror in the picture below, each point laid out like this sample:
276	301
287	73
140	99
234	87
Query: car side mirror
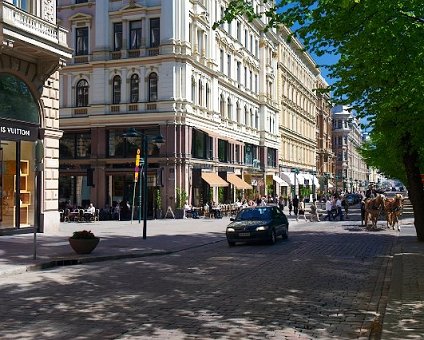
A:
232	219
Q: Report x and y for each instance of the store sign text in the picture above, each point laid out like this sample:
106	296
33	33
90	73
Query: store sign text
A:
15	131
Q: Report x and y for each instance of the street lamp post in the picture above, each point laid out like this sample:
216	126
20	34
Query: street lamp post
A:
296	172
158	141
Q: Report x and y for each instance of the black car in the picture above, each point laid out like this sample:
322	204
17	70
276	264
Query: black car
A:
261	223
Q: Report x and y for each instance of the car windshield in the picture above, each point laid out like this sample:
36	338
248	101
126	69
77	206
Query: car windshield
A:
257	214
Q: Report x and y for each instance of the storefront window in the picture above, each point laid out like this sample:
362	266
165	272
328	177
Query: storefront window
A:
73	191
75	145
9	183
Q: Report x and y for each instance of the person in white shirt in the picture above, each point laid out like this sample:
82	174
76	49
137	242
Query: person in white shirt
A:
301	209
339	208
91	209
328	207
187	208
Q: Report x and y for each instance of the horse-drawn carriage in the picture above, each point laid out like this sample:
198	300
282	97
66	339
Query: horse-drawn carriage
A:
373	208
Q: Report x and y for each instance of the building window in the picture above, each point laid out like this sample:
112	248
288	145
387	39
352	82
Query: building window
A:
82	93
120	147
154	32
134	88
229	109
117	36
116	90
24	5
199	144
272	157
221	60
207	95
81	1
75	145
153	87
229	65
135	35
223	150
81	47
200	93
222	106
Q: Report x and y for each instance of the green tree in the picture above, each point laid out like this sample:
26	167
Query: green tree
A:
380	73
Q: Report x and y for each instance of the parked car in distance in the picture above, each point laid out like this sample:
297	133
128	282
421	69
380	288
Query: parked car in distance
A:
260	223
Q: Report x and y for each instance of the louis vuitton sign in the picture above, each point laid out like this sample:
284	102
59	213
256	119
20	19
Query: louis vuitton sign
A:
11	130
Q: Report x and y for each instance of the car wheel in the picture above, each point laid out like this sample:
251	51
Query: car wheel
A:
231	244
273	238
285	234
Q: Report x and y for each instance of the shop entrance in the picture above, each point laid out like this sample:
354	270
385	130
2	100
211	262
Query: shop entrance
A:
17	193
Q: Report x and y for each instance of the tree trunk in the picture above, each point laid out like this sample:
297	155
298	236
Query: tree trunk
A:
415	188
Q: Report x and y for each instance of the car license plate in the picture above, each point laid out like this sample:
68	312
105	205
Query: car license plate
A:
244	234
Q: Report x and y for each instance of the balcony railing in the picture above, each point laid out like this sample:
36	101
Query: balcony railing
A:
32	24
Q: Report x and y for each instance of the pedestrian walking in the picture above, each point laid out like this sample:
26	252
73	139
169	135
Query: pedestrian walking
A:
339	208
328	207
301	209
290	206
295	205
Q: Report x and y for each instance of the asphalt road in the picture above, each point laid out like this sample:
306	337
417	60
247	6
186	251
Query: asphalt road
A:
326	281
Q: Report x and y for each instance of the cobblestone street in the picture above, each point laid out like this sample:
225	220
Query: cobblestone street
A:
326	281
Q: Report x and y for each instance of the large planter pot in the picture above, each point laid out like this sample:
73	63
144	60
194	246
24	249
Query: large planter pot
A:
179	213
83	245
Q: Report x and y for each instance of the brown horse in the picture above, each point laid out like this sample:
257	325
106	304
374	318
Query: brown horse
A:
393	209
373	207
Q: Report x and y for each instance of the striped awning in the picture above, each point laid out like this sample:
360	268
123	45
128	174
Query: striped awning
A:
238	182
213	179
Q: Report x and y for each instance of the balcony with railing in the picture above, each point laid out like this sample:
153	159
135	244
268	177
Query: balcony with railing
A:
13	18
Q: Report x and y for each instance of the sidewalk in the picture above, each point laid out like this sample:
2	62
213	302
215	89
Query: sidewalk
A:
118	239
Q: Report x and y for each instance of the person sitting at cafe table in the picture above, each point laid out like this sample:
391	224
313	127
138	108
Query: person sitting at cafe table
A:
89	212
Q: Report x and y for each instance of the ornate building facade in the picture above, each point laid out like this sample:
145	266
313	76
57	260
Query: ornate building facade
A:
297	76
32	48
351	172
159	67
325	156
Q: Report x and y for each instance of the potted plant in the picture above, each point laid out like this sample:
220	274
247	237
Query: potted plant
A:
83	242
158	203
181	199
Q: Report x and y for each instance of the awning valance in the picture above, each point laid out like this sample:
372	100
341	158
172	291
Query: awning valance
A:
289	177
311	178
213	179
281	182
238	182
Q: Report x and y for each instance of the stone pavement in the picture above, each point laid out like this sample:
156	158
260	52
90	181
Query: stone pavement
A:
404	316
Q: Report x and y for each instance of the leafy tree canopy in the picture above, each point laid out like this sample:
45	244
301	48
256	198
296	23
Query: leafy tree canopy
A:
380	73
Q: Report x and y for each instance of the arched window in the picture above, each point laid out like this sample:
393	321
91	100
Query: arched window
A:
222	106
246	116
134	88
256	120
208	94
200	93
193	90
238	113
82	93
252	119
229	109
153	87
116	90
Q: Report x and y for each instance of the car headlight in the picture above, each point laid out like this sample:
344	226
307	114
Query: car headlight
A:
231	230
262	228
